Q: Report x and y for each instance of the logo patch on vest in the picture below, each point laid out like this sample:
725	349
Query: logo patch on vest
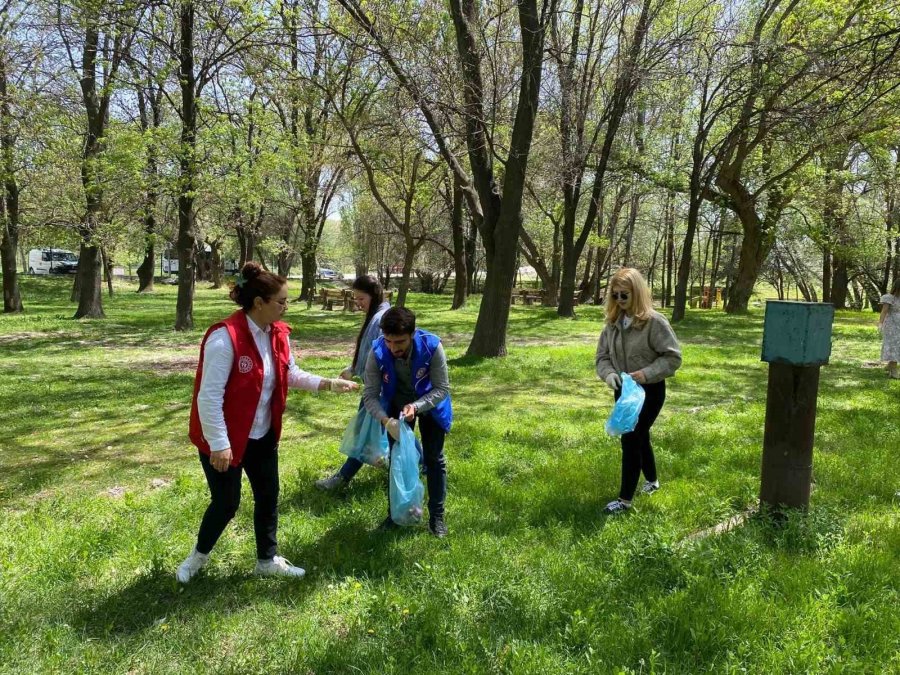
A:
386	378
245	364
420	373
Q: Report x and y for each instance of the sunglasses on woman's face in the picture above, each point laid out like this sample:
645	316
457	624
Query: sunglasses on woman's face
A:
620	296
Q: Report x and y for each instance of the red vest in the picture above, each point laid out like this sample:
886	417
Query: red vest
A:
244	386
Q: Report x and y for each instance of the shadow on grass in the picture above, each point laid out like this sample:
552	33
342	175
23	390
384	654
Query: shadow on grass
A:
313	501
356	548
155	598
467	361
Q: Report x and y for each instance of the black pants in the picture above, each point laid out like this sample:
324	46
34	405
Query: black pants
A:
637	452
261	464
435	462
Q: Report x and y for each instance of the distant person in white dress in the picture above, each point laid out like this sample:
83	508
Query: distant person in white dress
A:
889	325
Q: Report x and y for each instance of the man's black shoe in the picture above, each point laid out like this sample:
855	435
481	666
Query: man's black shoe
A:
437	527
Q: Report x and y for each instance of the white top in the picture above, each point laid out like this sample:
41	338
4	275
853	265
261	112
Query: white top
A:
218	357
626	321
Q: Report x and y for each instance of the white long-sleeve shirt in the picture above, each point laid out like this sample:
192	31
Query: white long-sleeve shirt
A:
218	358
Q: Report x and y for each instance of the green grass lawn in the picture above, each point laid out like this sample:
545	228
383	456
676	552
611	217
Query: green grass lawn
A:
101	495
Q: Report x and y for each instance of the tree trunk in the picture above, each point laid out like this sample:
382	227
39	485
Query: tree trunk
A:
107	270
632	221
599	271
12	298
471	252
408	257
187	160
754	249
570	255
493	317
827	274
285	258
246	239
201	258
90	303
150	107
623	89
460	289
215	264
670	249
502	215
529	249
759	234
308	269
90	300
839	280
587	278
146	271
684	268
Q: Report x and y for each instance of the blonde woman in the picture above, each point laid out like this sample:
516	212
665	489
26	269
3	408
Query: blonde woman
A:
638	341
889	325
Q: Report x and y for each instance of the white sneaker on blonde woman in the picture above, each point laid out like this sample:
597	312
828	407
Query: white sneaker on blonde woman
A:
190	566
277	567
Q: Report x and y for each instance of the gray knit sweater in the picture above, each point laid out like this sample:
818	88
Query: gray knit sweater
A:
652	348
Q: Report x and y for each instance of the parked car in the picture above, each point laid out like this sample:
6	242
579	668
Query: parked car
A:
327	275
52	261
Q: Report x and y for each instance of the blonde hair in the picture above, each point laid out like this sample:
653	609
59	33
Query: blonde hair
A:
641	304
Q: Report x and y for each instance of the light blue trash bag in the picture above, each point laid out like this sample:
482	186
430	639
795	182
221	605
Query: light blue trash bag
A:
366	440
624	416
407	491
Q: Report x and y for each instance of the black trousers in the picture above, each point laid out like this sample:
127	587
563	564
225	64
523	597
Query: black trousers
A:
261	464
637	452
435	463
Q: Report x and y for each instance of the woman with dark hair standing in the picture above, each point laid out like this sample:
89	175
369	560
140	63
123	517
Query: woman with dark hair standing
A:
240	392
368	295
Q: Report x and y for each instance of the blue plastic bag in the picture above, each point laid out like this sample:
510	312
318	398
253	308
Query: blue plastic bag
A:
624	416
406	492
366	440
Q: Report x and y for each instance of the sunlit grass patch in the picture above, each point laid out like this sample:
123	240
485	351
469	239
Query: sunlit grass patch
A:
101	495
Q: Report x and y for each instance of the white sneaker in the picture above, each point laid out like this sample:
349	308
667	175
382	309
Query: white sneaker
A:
277	567
649	488
616	506
191	565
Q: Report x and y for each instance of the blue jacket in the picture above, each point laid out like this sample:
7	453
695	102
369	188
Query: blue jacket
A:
373	332
423	346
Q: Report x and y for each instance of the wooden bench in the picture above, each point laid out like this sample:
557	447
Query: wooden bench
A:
527	296
330	296
344	297
530	296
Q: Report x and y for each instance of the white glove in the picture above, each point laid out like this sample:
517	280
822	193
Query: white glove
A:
393	428
613	381
342	386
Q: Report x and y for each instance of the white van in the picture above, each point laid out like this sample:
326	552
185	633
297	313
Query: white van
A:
52	261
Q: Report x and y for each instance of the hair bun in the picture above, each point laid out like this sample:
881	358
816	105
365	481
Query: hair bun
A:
250	270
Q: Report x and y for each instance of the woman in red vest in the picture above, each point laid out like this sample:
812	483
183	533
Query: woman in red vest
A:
240	391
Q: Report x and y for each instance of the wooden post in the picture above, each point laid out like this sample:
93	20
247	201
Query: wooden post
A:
788	439
796	343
